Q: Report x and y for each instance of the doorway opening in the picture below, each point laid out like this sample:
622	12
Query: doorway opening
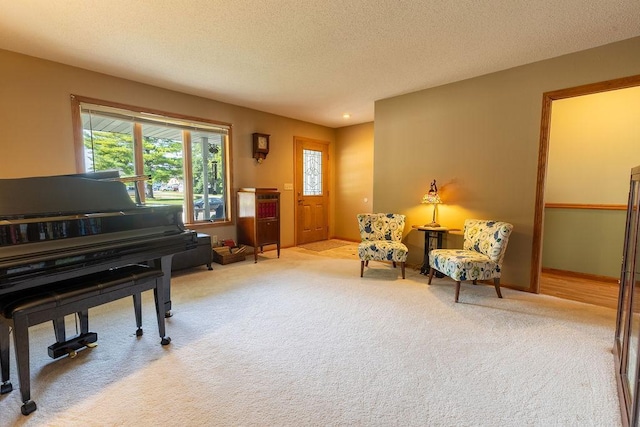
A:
543	156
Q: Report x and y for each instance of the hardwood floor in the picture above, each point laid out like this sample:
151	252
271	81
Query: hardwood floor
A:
596	290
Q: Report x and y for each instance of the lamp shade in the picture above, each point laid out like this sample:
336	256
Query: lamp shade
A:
431	197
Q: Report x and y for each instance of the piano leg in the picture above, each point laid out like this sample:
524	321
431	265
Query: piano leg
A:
165	266
158	295
21	343
137	308
83	316
5	386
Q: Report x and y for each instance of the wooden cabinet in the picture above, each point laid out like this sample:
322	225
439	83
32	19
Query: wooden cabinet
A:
627	337
259	218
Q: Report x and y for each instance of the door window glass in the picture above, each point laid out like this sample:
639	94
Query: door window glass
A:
312	172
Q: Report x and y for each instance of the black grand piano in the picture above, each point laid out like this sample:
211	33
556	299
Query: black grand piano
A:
60	230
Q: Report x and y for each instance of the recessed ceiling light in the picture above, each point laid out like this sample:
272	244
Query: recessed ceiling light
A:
346	116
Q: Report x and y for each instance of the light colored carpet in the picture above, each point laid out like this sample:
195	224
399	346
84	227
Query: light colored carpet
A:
304	341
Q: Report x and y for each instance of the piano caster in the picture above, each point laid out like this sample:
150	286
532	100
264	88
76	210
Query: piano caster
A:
139	332
5	387
28	407
165	340
72	354
168	314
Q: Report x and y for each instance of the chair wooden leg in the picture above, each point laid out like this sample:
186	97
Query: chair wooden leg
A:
402	267
366	263
394	264
361	268
496	283
457	290
475	282
430	275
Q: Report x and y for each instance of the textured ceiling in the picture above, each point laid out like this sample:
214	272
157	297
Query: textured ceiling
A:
311	60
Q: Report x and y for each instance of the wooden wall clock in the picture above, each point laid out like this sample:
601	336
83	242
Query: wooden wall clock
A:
260	146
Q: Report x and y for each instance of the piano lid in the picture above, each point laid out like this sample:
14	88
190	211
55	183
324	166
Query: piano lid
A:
60	195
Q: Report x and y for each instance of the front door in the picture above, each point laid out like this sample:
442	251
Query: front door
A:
311	190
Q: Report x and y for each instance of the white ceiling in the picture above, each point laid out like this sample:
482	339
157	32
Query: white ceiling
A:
311	60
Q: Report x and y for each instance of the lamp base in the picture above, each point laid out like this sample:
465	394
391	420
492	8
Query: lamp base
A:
432	224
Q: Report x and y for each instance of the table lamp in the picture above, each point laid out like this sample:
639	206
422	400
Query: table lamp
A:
432	197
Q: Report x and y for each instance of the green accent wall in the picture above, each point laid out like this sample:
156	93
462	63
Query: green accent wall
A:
584	240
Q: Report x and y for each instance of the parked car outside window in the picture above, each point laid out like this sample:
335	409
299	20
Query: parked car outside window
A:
216	207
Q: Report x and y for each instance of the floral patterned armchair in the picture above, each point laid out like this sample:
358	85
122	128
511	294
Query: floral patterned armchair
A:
485	243
381	235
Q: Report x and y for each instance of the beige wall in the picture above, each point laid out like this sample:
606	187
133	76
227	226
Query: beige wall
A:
354	184
594	143
37	140
479	138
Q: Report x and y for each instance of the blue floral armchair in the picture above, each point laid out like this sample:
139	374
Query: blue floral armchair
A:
381	235
485	243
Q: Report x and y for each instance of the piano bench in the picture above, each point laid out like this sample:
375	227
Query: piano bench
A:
24	309
202	254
